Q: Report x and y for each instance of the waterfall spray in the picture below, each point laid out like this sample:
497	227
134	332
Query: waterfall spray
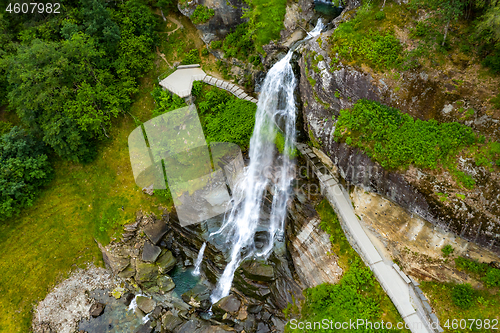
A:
276	105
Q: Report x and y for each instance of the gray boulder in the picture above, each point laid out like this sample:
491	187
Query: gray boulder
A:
166	261
150	252
155	231
145	272
171	322
165	283
258	271
229	304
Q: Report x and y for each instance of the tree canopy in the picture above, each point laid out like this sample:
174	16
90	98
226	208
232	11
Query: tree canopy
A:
67	84
24	169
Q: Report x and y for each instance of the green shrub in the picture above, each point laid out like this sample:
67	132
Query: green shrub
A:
447	250
202	14
197	88
466	180
224	117
463	295
470	265
24	170
380	15
378	49
396	140
233	122
496	101
265	21
255	60
493	62
5	127
492	277
192	57
216	44
239	43
420	29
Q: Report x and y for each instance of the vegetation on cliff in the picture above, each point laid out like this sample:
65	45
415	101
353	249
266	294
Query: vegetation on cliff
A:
464	27
202	14
265	21
396	140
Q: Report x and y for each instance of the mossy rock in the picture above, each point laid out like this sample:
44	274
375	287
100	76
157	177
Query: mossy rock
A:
166	261
145	272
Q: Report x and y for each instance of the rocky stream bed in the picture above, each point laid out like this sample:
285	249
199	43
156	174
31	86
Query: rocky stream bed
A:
148	285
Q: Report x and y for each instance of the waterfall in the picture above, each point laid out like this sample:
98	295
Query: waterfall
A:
276	106
197	265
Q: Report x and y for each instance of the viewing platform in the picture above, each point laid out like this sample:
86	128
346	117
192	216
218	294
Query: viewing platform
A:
181	82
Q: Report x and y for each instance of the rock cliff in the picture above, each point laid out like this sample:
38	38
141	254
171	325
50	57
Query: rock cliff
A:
228	15
326	89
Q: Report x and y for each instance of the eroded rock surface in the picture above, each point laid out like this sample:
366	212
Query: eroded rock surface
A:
476	217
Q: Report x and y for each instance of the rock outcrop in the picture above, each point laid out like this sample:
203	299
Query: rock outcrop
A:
228	15
475	218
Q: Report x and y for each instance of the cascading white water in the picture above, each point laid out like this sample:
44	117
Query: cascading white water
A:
197	265
276	105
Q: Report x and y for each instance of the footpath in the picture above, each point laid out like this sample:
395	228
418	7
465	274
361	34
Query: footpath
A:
404	292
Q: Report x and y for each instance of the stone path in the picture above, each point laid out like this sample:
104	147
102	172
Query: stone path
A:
181	81
404	292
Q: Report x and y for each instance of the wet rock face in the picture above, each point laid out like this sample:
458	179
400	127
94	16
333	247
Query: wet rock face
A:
227	17
475	218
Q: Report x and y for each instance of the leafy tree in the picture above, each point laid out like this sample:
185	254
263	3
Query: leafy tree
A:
58	91
24	169
98	22
491	20
5	127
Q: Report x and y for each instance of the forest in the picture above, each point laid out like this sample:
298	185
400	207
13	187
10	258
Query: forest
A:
67	77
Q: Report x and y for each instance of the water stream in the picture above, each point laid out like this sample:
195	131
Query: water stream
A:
197	265
266	172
